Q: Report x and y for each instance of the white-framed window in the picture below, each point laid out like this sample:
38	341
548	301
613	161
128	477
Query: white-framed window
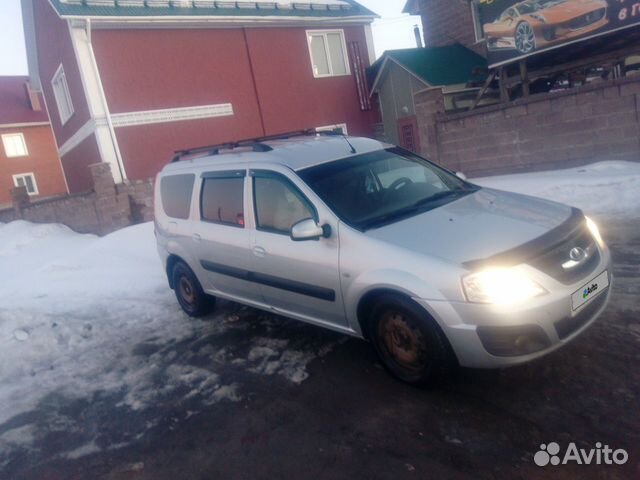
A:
14	145
62	95
27	180
477	23
328	52
341	126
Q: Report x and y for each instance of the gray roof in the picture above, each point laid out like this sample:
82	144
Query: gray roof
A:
295	153
210	8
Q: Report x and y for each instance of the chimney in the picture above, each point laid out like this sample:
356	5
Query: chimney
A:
416	32
33	97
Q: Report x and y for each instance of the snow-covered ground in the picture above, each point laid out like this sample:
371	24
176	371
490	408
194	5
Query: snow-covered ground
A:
603	189
82	316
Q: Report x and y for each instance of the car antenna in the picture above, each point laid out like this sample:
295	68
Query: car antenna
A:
340	132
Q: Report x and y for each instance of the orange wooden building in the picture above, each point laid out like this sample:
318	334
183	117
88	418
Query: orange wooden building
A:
28	152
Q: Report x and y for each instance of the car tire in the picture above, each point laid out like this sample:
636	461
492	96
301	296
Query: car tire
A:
409	343
189	293
525	38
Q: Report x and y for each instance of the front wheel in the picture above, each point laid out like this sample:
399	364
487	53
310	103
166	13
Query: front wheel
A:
409	342
525	38
189	293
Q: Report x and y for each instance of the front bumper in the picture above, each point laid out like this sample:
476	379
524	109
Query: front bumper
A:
548	321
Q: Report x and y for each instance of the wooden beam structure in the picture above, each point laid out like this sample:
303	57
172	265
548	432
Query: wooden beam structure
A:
615	57
490	78
524	78
504	87
526	75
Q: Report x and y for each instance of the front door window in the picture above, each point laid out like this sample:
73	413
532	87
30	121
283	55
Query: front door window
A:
279	205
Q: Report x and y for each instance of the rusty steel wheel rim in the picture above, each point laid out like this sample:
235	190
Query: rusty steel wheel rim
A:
186	290
404	344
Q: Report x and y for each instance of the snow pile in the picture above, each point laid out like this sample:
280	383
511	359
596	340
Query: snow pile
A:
81	315
600	189
270	356
71	308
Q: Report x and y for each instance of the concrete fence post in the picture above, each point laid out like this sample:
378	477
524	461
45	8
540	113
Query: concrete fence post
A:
103	183
113	208
20	200
429	103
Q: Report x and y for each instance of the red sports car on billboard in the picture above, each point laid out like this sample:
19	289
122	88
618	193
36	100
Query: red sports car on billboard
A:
533	24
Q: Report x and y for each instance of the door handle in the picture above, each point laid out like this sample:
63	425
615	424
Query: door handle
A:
259	251
196	237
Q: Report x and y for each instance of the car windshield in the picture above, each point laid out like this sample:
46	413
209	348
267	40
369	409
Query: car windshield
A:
532	7
375	189
511	13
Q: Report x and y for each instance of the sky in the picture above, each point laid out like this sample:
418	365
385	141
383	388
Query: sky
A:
13	59
394	30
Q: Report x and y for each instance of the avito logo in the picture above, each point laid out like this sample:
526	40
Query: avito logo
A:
588	291
550	454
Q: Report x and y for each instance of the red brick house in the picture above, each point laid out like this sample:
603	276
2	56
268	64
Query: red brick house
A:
128	82
28	153
447	22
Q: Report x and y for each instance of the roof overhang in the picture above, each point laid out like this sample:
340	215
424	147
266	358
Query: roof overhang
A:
24	125
210	13
207	22
411	7
383	68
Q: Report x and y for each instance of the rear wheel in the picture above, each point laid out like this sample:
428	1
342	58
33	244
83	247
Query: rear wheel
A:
189	293
409	343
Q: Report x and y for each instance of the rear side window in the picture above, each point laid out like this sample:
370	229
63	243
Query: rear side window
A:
175	191
222	201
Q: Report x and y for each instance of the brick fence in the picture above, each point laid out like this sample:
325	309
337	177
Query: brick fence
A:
546	131
108	207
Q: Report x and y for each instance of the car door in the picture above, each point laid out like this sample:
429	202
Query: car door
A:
221	238
297	277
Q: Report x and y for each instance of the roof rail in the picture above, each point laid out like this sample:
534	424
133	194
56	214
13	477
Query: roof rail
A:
257	144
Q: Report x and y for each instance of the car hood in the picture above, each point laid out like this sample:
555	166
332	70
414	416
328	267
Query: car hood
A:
564	12
476	226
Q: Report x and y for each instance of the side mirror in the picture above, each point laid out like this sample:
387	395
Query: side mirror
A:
307	229
461	176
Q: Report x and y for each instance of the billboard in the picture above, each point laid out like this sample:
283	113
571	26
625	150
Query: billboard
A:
517	29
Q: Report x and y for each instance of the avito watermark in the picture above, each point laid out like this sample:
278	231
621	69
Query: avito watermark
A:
549	454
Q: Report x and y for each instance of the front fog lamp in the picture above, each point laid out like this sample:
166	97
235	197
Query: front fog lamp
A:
500	286
595	231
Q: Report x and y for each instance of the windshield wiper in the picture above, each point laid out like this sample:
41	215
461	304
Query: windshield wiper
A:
414	208
440	195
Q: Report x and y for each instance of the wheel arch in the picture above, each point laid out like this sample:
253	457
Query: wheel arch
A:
368	301
172	260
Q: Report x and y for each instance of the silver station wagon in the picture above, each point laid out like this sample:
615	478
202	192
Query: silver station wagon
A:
368	239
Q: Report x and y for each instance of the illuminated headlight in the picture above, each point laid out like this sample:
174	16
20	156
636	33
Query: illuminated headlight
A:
500	286
595	231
